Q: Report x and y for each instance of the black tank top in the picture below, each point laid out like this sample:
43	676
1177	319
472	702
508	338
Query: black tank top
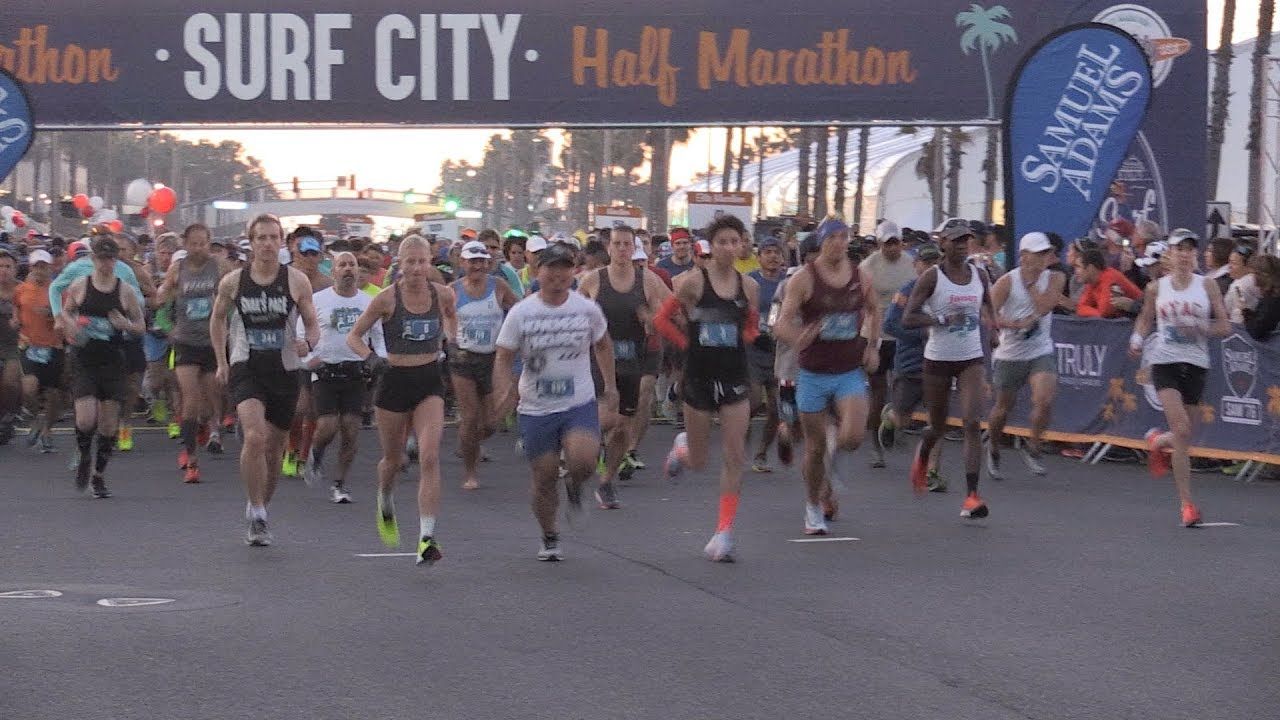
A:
103	345
265	313
716	350
409	333
625	328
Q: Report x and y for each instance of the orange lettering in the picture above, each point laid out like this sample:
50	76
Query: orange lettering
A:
761	68
711	65
599	61
624	68
900	69
807	67
784	59
73	64
873	66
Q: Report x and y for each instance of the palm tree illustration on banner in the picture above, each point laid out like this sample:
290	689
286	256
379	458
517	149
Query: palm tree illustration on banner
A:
984	32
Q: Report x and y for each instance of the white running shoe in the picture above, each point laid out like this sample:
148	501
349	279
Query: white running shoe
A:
814	524
338	495
1033	462
993	460
677	457
720	547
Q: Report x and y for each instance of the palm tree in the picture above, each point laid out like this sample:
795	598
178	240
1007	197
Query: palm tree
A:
742	157
931	168
1262	48
956	139
984	31
990	172
820	173
802	184
1221	95
728	159
864	142
842	170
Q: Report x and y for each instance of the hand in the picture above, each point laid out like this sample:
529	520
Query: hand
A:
118	320
646	319
808	335
871	359
375	364
302	348
1135	352
610	399
1123	304
223	374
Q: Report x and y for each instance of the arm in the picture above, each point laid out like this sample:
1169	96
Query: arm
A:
503	366
57	287
506	296
589	284
378	310
752	321
871	308
67	315
1219	325
448	311
914	316
167	288
131	321
1145	322
669	320
603	349
999	295
222	305
789	329
300	287
1089	304
656	294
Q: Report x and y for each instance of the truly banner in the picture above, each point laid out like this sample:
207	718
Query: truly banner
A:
1074	106
1104	395
16	128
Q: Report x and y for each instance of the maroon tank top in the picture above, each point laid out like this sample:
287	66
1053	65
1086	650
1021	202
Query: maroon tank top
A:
840	345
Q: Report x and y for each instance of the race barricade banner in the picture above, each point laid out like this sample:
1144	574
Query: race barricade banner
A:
1105	396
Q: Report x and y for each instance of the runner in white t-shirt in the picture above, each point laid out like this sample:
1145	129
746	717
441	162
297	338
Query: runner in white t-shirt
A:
554	331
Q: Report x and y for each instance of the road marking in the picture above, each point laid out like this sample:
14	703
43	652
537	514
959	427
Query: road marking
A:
1220	524
133	602
823	539
30	594
407	554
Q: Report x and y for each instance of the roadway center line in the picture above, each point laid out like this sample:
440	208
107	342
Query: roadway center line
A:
1220	524
382	555
822	539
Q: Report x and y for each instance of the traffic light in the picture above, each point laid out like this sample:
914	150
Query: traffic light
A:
451	205
409	197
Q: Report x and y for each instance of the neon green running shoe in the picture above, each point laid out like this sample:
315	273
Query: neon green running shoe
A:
160	411
936	482
175	431
289	466
388	529
429	552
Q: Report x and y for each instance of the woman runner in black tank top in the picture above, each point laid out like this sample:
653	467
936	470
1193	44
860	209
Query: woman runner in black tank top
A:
416	315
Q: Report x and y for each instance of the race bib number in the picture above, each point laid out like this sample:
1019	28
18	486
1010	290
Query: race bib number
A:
624	350
40	355
199	308
264	339
1174	334
963	324
420	329
554	388
99	328
718	335
839	326
343	319
478	333
1031	332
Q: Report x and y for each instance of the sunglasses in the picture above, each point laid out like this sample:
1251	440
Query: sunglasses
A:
1244	251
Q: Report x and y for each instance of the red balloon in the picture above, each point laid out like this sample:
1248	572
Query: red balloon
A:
80	201
163	201
116	225
86	212
19	221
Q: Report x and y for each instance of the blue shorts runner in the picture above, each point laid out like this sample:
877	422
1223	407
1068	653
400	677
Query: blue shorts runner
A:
815	391
542	434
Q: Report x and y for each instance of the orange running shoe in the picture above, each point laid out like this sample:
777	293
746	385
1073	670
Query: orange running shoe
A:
1190	515
202	435
228	423
973	507
1157	459
919	474
183	459
193	474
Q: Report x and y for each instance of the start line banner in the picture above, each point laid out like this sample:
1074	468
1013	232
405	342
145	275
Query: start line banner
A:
1104	396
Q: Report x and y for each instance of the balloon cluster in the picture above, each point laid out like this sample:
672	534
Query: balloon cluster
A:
12	219
91	208
154	199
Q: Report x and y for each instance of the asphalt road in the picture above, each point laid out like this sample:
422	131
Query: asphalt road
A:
1079	597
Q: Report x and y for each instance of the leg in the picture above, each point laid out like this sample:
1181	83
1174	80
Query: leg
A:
733	441
275	438
697	425
1178	440
428	423
815	453
644	412
349	426
326	429
254	462
581	453
545	494
970	386
770	419
392	428
470	421
1043	387
190	381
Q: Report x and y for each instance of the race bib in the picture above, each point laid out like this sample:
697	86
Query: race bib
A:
420	329
718	335
40	355
343	319
839	326
963	324
624	350
1174	334
554	388
1031	332
99	328
265	339
198	308
478	333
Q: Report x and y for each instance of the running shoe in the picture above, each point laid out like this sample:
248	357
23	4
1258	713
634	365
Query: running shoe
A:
411	448
184	459
919	478
973	507
761	464
720	547
82	473
993	460
192	474
289	465
1233	468
46	444
936	483
814	524
312	473
388	530
520	446
174	431
877	456
575	513
601	468
33	439
784	448
830	507
214	446
100	490
954	435
428	552
635	461
228	422
366	420
338	495
549	550
887	431
258	535
203	433
607	496
627	469
1032	460
677	458
124	438
1157	460
160	411
1190	515
471	484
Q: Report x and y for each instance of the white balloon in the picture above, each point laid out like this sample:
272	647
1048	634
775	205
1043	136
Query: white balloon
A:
137	192
6	212
108	216
96	202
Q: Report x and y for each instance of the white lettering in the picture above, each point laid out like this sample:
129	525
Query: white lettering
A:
199	29
461	24
502	39
327	56
427	56
290	48
240	88
389	29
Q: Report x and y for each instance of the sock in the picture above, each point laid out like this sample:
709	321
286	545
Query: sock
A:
189	430
257	512
317	455
106	446
304	443
728	509
428	525
971	482
84	442
295	437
